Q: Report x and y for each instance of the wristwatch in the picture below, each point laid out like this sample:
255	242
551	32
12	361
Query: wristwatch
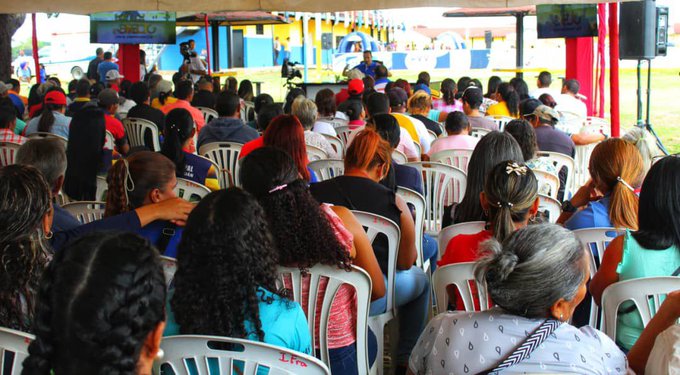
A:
568	207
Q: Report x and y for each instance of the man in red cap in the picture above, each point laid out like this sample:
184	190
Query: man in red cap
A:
354	91
54	107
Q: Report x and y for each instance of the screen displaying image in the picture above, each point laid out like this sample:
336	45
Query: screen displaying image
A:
566	21
133	27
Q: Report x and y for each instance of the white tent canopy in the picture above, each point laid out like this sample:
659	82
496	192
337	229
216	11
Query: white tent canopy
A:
92	6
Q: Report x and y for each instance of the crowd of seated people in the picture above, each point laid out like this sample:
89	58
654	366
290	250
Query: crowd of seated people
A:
65	281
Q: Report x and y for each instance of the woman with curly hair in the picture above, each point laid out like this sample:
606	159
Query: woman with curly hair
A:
226	274
100	308
307	234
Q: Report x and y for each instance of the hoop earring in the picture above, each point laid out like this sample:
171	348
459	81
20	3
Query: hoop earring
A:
49	235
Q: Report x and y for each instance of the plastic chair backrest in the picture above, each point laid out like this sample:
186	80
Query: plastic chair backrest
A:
419	150
399	157
549	181
570	122
315	153
16	343
169	268
432	134
208	114
598	124
455	157
551	206
135	128
326	169
102	189
461	275
581	160
447	233
645	294
8	151
190	190
417	201
336	143
225	155
595	241
343	133
39	135
86	211
479	132
500	121
109	141
561	160
191	354
443	185
357	278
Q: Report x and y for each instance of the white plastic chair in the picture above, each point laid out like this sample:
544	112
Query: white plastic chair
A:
645	293
547	180
40	135
86	211
326	169
581	161
399	157
433	135
15	342
315	153
246	109
462	276
479	132
343	134
447	233
595	241
8	151
374	225
102	189
443	185
135	128
109	141
225	155
550	205
570	122
335	278
190	354
419	150
208	114
598	124
169	268
417	201
561	160
500	121
336	143
458	158
190	190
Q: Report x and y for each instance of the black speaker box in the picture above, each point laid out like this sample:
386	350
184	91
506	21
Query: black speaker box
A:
637	30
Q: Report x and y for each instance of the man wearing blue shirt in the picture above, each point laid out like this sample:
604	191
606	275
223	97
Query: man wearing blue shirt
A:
105	66
367	66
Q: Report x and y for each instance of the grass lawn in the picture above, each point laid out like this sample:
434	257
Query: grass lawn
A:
665	90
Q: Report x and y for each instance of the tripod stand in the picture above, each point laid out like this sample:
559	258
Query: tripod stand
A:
640	122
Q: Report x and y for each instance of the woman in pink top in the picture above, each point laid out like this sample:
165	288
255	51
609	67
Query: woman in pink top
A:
448	102
307	234
458	129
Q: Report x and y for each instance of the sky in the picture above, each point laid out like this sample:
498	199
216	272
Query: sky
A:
68	23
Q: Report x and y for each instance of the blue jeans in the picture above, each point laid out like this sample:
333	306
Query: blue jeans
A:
412	294
430	251
344	360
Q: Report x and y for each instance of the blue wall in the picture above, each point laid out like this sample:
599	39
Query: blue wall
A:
258	52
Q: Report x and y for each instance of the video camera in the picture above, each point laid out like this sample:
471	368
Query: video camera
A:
290	70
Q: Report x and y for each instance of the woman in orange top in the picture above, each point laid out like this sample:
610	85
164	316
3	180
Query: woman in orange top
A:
508	102
510	198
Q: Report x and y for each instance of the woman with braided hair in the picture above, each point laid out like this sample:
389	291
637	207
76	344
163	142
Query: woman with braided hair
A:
225	283
509	200
179	133
145	178
100	309
307	233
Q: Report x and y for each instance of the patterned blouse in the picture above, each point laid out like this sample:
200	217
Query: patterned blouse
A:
470	343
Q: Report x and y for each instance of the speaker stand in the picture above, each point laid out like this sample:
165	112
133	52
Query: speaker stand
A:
640	122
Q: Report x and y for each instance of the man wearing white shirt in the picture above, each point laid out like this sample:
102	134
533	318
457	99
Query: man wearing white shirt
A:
569	102
543	83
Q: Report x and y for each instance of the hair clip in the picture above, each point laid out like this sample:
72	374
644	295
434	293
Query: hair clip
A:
519	170
277	188
621	180
501	204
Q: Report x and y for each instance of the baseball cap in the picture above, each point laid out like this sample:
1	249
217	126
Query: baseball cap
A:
528	106
108	97
4	87
55	97
397	97
546	113
164	86
355	87
113	74
422	87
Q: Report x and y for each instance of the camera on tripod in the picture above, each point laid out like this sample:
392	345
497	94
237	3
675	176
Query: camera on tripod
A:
290	70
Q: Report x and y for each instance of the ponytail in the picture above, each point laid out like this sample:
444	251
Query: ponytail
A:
178	128
510	97
623	206
162	97
116	197
47	117
448	88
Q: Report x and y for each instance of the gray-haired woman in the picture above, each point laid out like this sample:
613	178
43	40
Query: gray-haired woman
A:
536	278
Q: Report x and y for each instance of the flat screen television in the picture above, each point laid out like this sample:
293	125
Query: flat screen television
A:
133	27
566	21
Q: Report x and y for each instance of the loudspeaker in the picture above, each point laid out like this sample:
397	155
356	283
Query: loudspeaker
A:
488	38
638	30
661	31
326	41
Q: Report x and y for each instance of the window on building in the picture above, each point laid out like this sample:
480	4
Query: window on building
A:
259	29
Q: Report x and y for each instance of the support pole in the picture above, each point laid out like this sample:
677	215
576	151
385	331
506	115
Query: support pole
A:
305	47
230	49
519	43
34	39
215	31
614	69
207	43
